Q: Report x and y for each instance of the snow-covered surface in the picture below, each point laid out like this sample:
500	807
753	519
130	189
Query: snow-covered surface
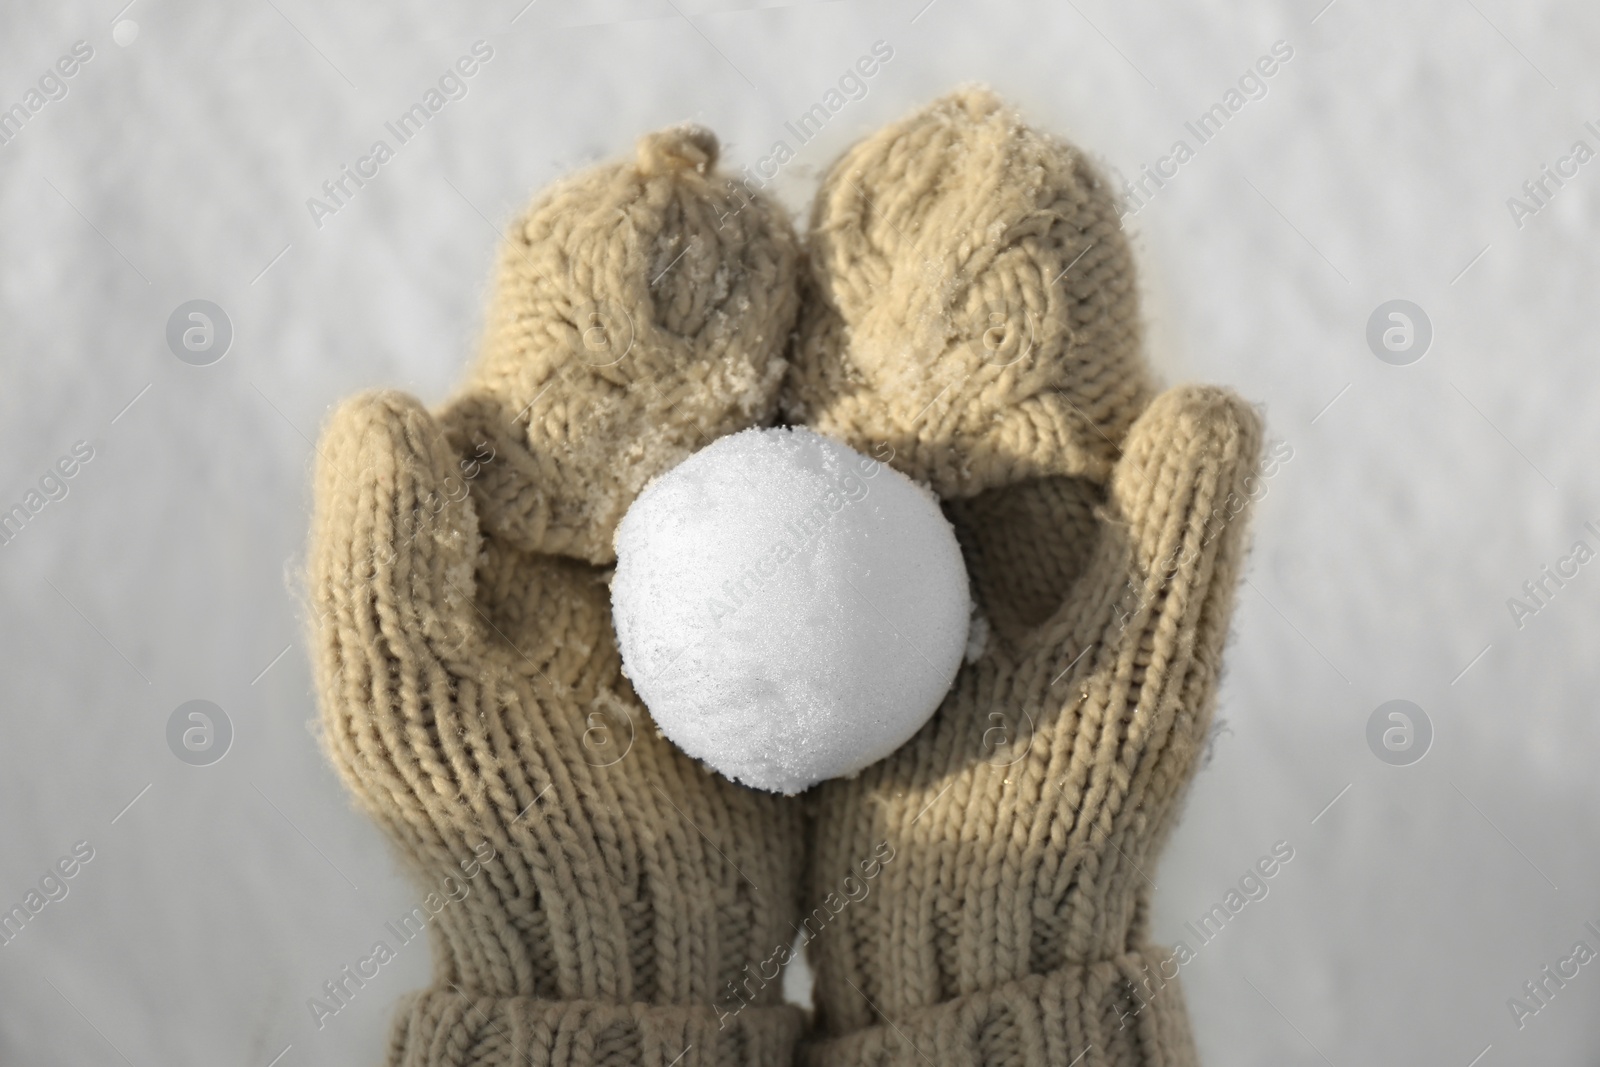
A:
1416	501
773	587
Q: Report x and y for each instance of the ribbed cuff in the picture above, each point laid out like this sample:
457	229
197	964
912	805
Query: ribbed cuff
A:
445	1028
1112	1013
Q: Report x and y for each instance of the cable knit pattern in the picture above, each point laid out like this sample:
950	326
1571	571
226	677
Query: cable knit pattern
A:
608	892
972	304
641	312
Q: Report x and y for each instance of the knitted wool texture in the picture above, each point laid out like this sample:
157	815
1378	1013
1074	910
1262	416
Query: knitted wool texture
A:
467	671
972	304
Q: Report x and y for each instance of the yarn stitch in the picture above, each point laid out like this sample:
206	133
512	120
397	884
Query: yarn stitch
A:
971	302
467	672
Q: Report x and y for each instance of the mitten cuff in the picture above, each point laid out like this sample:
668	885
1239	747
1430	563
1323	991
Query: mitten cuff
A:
1123	1012
448	1028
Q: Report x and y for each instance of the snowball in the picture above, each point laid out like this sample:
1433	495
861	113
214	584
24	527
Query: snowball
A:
788	609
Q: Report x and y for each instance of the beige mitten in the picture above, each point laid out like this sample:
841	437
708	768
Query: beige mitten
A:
598	893
980	898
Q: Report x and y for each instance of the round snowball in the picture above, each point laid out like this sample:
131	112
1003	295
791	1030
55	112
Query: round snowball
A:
789	609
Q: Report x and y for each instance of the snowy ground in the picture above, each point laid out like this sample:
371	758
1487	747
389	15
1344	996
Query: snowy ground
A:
1418	498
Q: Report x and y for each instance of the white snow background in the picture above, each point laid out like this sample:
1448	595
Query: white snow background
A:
1418	499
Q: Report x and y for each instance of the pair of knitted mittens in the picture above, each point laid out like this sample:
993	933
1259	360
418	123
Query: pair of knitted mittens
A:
966	306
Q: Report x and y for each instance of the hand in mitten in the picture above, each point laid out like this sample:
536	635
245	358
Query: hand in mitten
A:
598	892
981	896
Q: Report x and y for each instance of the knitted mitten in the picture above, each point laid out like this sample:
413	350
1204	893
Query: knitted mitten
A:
981	896
593	895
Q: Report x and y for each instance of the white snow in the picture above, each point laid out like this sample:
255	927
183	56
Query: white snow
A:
789	609
1415	505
